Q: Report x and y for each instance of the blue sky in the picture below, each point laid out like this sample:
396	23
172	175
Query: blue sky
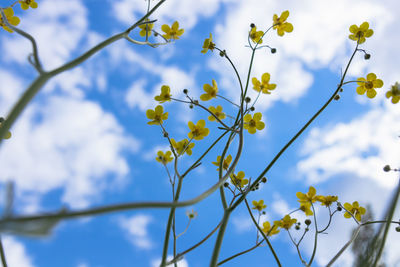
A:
84	140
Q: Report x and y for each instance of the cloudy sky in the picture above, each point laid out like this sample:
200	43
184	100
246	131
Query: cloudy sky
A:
84	140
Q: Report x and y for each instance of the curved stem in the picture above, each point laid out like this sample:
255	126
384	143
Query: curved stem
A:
36	63
241	253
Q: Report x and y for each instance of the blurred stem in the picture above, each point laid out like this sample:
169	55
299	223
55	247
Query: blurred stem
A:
389	217
2	254
220	237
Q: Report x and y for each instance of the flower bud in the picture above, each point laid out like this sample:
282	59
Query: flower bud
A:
191	106
247	99
226	184
297	227
273	50
222	53
252	25
367	56
337	97
252	108
398	228
307	221
387	168
185	91
263	180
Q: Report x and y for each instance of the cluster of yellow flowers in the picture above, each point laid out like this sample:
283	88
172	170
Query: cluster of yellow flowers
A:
9	13
306	201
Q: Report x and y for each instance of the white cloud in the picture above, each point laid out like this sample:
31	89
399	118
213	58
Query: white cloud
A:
185	12
136	227
361	147
66	143
16	254
243	223
280	206
10	88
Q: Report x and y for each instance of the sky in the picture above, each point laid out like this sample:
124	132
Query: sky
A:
84	140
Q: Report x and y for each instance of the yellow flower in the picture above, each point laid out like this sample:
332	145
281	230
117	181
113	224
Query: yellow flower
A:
280	23
225	164
354	209
25	4
253	124
327	200
309	197
306	207
157	116
172	32
286	222
208	45
8	134
256	36
211	91
368	85
146	29
267	229
217	112
258	205
360	33
198	131
394	93
165	94
182	146
238	179
164	158
264	85
13	20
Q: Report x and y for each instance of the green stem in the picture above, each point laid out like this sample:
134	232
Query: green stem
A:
389	217
2	254
240	253
263	234
179	256
220	237
315	237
